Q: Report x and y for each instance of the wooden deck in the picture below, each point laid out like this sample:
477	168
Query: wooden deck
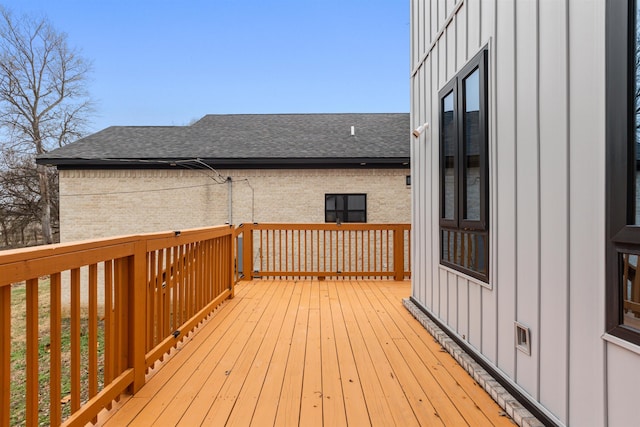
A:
310	353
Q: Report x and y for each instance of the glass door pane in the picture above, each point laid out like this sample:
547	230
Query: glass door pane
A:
449	149
472	141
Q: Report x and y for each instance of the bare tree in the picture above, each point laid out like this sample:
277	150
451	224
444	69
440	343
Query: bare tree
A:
44	102
20	203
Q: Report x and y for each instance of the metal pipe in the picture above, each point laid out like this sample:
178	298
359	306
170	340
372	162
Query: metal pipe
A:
230	186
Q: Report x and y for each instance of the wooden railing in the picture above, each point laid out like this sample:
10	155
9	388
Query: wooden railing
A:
124	303
325	250
99	314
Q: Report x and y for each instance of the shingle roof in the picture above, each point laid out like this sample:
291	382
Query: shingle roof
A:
238	140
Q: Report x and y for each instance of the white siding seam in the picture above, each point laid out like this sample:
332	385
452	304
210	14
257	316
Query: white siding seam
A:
430	19
457	302
468	327
431	131
493	91
539	294
446	60
493	94
466	36
482	320
515	181
568	218
442	30
605	362
455	45
480	21
518	413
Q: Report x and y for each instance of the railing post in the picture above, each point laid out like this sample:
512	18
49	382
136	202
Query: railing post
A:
137	309
398	253
247	252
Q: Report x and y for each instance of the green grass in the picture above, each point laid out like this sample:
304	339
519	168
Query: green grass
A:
19	353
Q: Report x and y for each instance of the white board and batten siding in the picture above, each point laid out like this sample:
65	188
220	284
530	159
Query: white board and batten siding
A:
546	109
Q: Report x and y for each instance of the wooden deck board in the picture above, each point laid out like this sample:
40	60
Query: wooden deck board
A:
466	389
288	412
353	395
248	395
333	410
328	353
268	401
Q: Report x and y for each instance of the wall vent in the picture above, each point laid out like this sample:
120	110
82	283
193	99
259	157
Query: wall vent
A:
523	338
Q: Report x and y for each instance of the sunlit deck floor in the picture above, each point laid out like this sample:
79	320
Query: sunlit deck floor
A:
310	353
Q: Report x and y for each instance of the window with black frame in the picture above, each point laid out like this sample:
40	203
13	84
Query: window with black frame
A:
464	238
623	164
345	208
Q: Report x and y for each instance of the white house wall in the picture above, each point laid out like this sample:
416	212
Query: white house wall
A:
546	191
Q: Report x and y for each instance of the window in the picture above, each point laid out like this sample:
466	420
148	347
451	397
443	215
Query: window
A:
623	179
345	208
464	238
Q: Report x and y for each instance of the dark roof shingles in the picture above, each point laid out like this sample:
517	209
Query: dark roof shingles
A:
250	136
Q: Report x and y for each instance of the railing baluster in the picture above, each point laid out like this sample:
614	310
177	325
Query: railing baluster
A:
166	294
75	339
174	287
151	298
300	268
181	258
264	243
279	251
92	350
387	252
32	352
343	267
109	341
117	318
5	354
192	281
159	286
55	349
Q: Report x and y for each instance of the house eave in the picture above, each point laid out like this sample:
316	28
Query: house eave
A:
235	163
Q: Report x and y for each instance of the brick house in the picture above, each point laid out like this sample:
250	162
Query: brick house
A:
235	168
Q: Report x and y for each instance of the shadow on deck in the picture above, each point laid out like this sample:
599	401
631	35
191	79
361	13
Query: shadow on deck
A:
309	353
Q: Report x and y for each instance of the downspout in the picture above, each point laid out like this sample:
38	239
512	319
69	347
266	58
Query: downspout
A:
230	186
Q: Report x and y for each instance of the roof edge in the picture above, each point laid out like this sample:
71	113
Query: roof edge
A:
249	163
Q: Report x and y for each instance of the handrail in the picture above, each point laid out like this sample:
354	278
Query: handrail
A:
345	250
149	291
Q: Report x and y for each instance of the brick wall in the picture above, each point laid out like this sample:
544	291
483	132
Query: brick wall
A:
102	203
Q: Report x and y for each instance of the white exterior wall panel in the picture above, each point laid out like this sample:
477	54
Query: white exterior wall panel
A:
546	155
504	234
554	207
474	316
623	378
586	210
527	190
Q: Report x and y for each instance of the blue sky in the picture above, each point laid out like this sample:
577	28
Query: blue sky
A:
165	62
